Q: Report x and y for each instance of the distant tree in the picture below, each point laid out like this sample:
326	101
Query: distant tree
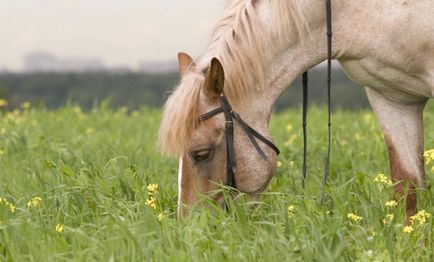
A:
3	91
139	89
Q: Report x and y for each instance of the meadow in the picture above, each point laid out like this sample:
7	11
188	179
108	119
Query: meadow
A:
91	186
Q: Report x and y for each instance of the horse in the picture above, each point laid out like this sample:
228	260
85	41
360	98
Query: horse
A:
260	46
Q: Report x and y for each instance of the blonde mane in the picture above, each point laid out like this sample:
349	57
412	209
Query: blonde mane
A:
243	45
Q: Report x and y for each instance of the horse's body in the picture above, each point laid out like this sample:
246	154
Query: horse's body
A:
386	46
393	51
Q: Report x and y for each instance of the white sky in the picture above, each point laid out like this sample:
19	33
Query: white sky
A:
120	32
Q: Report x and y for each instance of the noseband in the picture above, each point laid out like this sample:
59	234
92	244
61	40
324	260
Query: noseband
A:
231	164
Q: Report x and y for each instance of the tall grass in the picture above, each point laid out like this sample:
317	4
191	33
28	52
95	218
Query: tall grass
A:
91	172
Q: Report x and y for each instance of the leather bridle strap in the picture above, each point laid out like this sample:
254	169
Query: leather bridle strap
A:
231	164
329	66
252	134
211	114
305	101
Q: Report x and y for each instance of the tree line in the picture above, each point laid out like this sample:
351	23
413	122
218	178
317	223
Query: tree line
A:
134	90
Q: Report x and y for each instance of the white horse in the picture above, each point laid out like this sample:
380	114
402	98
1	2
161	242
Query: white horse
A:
261	46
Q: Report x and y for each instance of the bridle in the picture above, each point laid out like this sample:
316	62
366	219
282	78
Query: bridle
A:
229	114
231	164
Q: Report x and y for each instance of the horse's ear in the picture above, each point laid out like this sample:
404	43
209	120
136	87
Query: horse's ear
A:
214	79
185	63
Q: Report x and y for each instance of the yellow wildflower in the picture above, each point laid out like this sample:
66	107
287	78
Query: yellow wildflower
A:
388	219
354	217
3	102
25	105
371	232
367	118
288	127
90	130
161	217
421	217
407	229
12	207
357	137
279	163
35	202
381	178
291	211
152	188
2	152
391	203
123	110
291	164
151	202
429	156
59	228
77	110
291	140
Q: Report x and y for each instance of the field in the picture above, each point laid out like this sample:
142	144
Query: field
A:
74	186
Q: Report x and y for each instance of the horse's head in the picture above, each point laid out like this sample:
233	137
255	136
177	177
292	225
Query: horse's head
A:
202	144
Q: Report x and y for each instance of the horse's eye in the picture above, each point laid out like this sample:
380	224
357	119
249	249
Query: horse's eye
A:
201	155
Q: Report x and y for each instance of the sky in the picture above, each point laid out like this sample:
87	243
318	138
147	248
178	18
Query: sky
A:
119	32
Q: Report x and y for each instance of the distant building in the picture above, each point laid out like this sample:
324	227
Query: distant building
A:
44	62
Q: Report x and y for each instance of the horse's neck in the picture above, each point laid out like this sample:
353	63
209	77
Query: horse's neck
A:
291	57
299	52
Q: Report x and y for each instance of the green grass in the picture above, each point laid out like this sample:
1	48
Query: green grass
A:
92	170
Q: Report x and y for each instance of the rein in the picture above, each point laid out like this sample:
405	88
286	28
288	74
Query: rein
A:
231	164
329	79
305	106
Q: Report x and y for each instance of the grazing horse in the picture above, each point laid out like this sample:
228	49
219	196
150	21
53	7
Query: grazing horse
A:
260	46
